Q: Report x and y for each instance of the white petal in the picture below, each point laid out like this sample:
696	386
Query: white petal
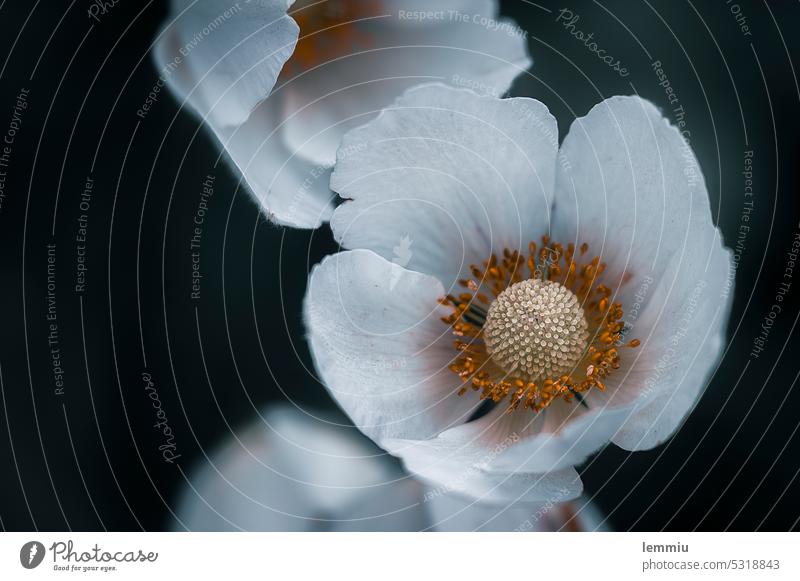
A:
222	58
566	441
223	61
380	347
684	326
290	190
522	442
464	44
632	187
293	472
464	460
446	475
460	175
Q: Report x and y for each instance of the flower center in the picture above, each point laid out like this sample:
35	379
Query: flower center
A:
329	29
553	334
536	328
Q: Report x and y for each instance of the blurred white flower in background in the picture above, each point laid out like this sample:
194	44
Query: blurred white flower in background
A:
587	288
293	472
224	58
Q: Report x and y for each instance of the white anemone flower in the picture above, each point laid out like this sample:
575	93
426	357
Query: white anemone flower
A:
581	293
291	471
279	82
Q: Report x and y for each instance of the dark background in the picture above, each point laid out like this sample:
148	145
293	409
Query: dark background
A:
89	459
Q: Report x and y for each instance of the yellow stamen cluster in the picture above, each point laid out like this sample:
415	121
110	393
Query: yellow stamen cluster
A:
329	29
550	331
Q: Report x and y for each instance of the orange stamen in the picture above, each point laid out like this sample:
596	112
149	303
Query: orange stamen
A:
475	365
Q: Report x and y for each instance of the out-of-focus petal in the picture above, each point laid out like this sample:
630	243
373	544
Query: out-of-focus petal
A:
222	59
460	43
293	472
290	190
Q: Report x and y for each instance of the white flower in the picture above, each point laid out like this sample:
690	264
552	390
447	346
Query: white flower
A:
605	330
351	59
290	471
